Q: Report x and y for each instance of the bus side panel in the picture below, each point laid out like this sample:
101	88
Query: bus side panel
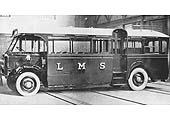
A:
79	70
156	65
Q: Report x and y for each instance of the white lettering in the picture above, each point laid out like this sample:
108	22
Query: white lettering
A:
59	67
28	57
81	66
102	66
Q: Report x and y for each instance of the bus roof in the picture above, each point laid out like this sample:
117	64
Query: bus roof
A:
72	31
145	33
95	31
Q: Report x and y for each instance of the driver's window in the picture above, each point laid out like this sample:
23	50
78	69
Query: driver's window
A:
30	44
16	48
27	46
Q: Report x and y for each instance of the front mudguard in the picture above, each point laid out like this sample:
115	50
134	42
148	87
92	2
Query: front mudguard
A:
35	69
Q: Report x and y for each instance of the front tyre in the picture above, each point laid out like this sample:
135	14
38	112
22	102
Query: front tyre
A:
138	79
28	84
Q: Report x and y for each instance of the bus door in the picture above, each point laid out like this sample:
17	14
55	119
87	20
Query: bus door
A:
119	50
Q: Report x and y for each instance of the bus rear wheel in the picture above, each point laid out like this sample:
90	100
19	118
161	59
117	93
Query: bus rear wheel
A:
138	79
27	84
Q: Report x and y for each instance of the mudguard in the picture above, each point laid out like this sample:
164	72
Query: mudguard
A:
134	65
35	69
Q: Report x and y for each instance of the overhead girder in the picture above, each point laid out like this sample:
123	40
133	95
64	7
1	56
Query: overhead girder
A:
93	21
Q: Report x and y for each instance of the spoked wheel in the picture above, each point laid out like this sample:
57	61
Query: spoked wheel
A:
28	84
138	79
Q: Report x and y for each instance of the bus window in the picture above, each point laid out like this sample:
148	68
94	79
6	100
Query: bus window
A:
164	47
61	46
138	47
27	46
81	46
107	46
30	44
95	48
121	46
118	47
50	47
156	46
101	46
42	46
16	48
58	46
134	47
113	47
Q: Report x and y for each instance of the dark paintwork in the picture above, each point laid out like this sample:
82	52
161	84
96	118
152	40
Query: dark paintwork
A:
70	75
155	64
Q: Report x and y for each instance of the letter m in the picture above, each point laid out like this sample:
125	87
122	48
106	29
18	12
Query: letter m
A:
81	66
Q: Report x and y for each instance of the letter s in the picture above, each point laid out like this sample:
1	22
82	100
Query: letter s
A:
102	66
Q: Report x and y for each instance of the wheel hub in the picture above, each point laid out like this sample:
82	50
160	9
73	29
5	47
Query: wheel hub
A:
138	79
28	84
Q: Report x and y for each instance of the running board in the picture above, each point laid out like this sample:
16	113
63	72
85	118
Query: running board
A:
118	77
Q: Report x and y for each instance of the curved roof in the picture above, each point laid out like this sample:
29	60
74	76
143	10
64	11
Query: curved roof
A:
93	31
145	33
71	31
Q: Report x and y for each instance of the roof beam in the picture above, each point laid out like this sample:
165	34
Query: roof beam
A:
128	20
120	22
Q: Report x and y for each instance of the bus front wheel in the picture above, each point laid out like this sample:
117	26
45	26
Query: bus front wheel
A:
28	84
138	79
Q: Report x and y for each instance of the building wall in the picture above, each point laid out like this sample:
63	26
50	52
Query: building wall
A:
4	43
154	22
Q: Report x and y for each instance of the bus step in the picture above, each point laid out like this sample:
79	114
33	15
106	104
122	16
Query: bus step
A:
117	72
118	78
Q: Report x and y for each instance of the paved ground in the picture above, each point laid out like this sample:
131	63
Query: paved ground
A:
156	93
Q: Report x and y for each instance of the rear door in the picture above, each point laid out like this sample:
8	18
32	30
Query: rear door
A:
119	48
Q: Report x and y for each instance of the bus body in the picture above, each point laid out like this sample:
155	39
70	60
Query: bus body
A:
85	57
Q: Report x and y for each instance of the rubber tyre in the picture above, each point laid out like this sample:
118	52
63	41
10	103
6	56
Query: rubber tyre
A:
31	76
131	83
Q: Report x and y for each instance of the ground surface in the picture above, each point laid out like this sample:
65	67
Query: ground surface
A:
155	93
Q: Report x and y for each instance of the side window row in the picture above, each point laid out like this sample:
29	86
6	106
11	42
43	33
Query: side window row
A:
152	46
57	46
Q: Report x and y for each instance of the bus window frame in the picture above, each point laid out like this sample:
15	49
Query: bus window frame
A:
19	39
145	44
72	39
134	47
160	40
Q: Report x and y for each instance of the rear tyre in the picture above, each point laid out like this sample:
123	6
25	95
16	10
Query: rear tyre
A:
27	84
138	79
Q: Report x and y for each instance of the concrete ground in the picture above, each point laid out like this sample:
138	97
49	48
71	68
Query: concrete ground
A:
155	93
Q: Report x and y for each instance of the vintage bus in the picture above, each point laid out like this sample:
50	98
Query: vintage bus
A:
71	58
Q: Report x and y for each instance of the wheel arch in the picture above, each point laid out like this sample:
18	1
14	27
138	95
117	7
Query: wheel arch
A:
36	70
136	65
